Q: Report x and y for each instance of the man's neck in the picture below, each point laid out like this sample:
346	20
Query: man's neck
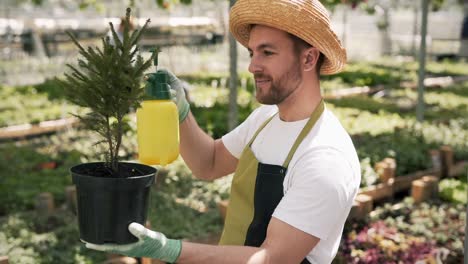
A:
301	103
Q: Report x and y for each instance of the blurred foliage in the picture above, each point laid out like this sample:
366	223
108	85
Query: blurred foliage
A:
33	104
371	5
332	3
183	207
210	107
406	233
410	149
99	5
369	176
25	172
454	190
29	238
167	4
365	74
367	5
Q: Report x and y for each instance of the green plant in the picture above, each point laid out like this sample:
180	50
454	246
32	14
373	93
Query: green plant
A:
407	146
454	190
190	203
52	88
28	238
108	82
24	104
22	178
369	176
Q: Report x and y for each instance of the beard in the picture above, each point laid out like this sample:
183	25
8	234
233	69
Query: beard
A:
279	89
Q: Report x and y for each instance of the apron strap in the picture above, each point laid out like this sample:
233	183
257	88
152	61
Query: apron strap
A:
260	129
309	125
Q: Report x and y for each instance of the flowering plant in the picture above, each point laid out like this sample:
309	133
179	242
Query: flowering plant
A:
406	233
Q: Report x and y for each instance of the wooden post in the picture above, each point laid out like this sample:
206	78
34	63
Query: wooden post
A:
4	260
383	170
432	183
391	162
424	189
355	212
446	154
435	159
45	203
366	204
386	169
417	191
379	169
389	170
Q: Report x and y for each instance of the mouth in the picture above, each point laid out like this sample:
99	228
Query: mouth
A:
261	81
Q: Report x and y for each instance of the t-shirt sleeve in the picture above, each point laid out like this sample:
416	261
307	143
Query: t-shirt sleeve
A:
320	193
237	139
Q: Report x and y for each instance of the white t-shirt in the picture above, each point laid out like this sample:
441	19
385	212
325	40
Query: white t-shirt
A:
322	179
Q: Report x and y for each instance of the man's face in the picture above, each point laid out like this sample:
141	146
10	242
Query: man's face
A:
274	64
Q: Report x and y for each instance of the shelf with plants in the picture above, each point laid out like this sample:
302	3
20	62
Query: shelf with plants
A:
374	133
400	102
25	105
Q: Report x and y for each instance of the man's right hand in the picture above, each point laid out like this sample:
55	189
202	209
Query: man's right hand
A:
180	99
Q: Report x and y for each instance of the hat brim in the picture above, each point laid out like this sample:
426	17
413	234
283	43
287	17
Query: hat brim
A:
307	20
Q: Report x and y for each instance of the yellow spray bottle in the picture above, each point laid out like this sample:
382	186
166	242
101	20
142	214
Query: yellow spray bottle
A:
157	122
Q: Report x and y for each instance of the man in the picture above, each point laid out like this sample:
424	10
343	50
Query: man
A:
296	169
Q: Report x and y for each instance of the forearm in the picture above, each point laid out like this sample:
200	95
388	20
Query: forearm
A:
200	253
197	148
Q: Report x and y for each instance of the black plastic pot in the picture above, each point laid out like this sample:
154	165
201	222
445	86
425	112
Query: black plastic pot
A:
106	206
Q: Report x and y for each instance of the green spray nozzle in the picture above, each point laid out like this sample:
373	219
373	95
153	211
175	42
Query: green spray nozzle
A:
155	52
157	87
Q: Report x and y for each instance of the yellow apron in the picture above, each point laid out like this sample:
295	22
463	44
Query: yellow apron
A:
256	191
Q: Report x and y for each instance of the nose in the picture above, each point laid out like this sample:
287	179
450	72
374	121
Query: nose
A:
255	66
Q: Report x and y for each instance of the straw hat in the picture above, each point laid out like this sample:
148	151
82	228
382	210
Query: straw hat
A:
307	19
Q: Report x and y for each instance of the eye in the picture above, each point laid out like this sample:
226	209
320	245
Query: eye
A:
267	53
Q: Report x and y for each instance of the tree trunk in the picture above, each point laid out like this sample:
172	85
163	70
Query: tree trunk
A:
415	31
232	118
422	61
385	40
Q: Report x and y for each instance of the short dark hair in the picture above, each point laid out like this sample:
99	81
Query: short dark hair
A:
300	45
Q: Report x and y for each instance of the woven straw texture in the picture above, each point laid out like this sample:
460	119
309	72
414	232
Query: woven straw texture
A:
307	19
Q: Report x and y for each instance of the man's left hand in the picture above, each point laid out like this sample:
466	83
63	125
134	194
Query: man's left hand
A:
150	244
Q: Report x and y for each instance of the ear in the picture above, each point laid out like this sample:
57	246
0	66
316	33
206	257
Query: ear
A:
310	58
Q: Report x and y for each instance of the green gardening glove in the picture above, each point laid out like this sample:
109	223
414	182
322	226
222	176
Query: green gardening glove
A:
179	97
150	244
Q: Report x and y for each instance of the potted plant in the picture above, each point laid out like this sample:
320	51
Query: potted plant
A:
108	81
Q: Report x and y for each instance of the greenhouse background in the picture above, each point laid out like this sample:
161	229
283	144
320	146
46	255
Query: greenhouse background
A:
407	118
